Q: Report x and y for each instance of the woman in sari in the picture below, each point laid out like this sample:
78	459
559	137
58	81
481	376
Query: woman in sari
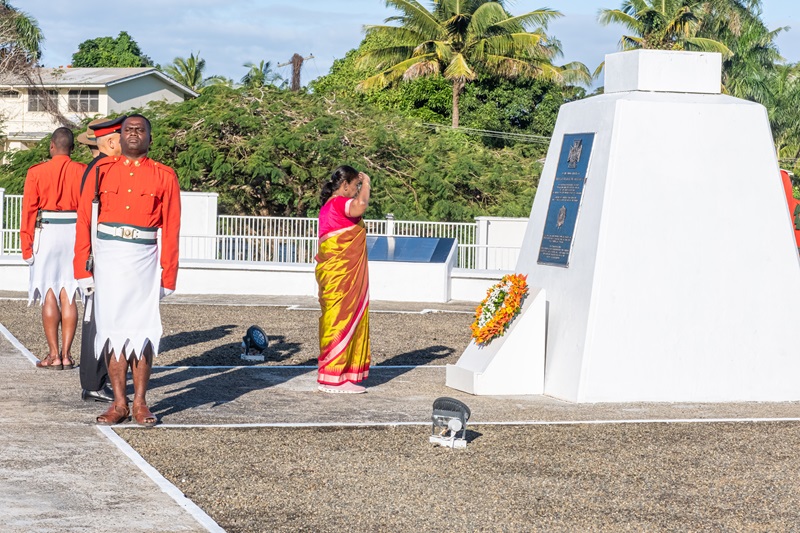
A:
343	281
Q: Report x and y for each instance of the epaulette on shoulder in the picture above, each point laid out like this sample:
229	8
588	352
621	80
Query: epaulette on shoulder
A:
38	165
164	169
107	161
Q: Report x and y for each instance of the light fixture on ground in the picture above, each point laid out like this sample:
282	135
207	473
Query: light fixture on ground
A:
254	343
449	417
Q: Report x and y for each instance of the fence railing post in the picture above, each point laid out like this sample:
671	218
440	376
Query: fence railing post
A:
2	221
389	224
482	240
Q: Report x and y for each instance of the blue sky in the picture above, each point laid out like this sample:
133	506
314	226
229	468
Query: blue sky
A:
230	33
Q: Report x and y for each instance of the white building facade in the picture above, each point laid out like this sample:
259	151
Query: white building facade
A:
32	109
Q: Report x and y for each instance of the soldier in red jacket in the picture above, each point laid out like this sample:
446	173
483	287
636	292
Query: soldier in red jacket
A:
47	231
135	198
794	205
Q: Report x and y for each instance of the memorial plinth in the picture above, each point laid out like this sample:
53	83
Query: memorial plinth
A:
411	269
673	275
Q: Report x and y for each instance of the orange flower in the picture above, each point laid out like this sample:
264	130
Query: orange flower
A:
492	321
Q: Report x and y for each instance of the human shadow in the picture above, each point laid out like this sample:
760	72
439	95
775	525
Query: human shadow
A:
189	338
409	360
228	354
216	386
212	387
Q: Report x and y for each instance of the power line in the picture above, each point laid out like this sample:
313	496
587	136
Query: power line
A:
507	135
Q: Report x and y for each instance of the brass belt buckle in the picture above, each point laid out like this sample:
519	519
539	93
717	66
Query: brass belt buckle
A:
127	233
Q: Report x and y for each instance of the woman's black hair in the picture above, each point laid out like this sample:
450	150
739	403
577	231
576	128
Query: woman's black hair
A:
342	174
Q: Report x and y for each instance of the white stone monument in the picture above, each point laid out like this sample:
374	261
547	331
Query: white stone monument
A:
661	236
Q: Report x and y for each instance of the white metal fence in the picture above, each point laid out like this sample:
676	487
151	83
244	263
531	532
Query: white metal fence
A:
294	240
10	216
266	238
239	248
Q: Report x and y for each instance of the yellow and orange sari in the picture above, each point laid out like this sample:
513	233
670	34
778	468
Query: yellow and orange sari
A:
343	279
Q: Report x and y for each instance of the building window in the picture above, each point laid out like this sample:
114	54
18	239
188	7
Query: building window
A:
84	101
9	94
42	100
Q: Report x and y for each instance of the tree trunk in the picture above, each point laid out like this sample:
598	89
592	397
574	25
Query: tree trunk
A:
458	86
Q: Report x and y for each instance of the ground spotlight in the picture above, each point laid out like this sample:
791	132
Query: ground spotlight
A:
449	417
254	343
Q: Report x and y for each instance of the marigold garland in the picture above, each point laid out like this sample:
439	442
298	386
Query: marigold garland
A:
502	303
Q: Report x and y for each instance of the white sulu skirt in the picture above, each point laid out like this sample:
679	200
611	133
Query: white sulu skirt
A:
127	281
52	264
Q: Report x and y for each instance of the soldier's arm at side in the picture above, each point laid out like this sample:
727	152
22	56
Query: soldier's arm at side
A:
30	208
170	230
83	235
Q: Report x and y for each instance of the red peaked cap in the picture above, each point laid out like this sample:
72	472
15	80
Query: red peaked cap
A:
111	126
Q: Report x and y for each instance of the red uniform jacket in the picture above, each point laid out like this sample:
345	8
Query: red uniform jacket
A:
143	193
52	186
794	205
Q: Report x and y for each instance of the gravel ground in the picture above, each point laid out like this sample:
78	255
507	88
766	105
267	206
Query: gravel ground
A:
635	477
205	335
609	477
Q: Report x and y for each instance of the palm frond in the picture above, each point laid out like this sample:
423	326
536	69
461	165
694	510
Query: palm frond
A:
707	45
484	18
576	72
421	69
539	18
458	68
607	17
393	73
416	17
519	43
630	42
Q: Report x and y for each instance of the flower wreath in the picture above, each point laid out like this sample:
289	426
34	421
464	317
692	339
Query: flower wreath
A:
502	303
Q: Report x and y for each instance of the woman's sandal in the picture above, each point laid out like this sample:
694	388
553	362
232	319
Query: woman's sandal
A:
114	415
143	416
68	362
49	363
344	388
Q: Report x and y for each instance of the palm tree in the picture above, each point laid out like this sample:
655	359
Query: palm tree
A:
189	72
261	75
664	25
19	32
784	114
460	39
747	73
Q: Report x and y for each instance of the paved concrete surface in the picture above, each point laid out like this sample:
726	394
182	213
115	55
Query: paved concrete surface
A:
59	473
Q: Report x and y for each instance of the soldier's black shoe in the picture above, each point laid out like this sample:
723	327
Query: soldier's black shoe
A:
102	395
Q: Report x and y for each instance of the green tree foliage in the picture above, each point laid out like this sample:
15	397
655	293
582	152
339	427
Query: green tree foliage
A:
110	52
261	74
268	151
784	115
19	34
460	40
12	174
190	72
664	24
517	105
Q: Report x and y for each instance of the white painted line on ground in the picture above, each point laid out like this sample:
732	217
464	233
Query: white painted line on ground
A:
289	367
18	345
509	423
14	299
171	490
635	421
287	425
